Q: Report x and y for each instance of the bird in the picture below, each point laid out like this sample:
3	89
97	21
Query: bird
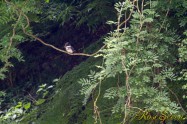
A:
69	48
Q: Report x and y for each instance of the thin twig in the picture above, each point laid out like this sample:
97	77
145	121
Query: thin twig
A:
32	98
96	111
13	32
126	20
165	17
58	49
43	42
177	99
128	89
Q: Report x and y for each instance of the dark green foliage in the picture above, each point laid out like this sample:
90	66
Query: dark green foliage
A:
11	22
75	13
143	53
91	13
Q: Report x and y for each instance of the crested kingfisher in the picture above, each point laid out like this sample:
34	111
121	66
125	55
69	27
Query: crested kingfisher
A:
69	48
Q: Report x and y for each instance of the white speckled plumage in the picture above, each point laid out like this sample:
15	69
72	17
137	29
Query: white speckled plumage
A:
69	48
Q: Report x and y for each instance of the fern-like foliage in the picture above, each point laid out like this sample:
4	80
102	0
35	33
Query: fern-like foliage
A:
88	86
141	50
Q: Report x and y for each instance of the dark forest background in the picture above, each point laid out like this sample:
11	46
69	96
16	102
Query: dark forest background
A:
130	60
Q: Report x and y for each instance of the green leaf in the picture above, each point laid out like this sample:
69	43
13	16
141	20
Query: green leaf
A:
27	106
40	101
45	94
148	20
43	85
111	22
56	80
19	105
47	1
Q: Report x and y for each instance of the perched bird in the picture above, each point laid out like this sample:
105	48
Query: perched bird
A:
69	48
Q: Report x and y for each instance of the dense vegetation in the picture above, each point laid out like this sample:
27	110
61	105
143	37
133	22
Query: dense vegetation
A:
136	70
